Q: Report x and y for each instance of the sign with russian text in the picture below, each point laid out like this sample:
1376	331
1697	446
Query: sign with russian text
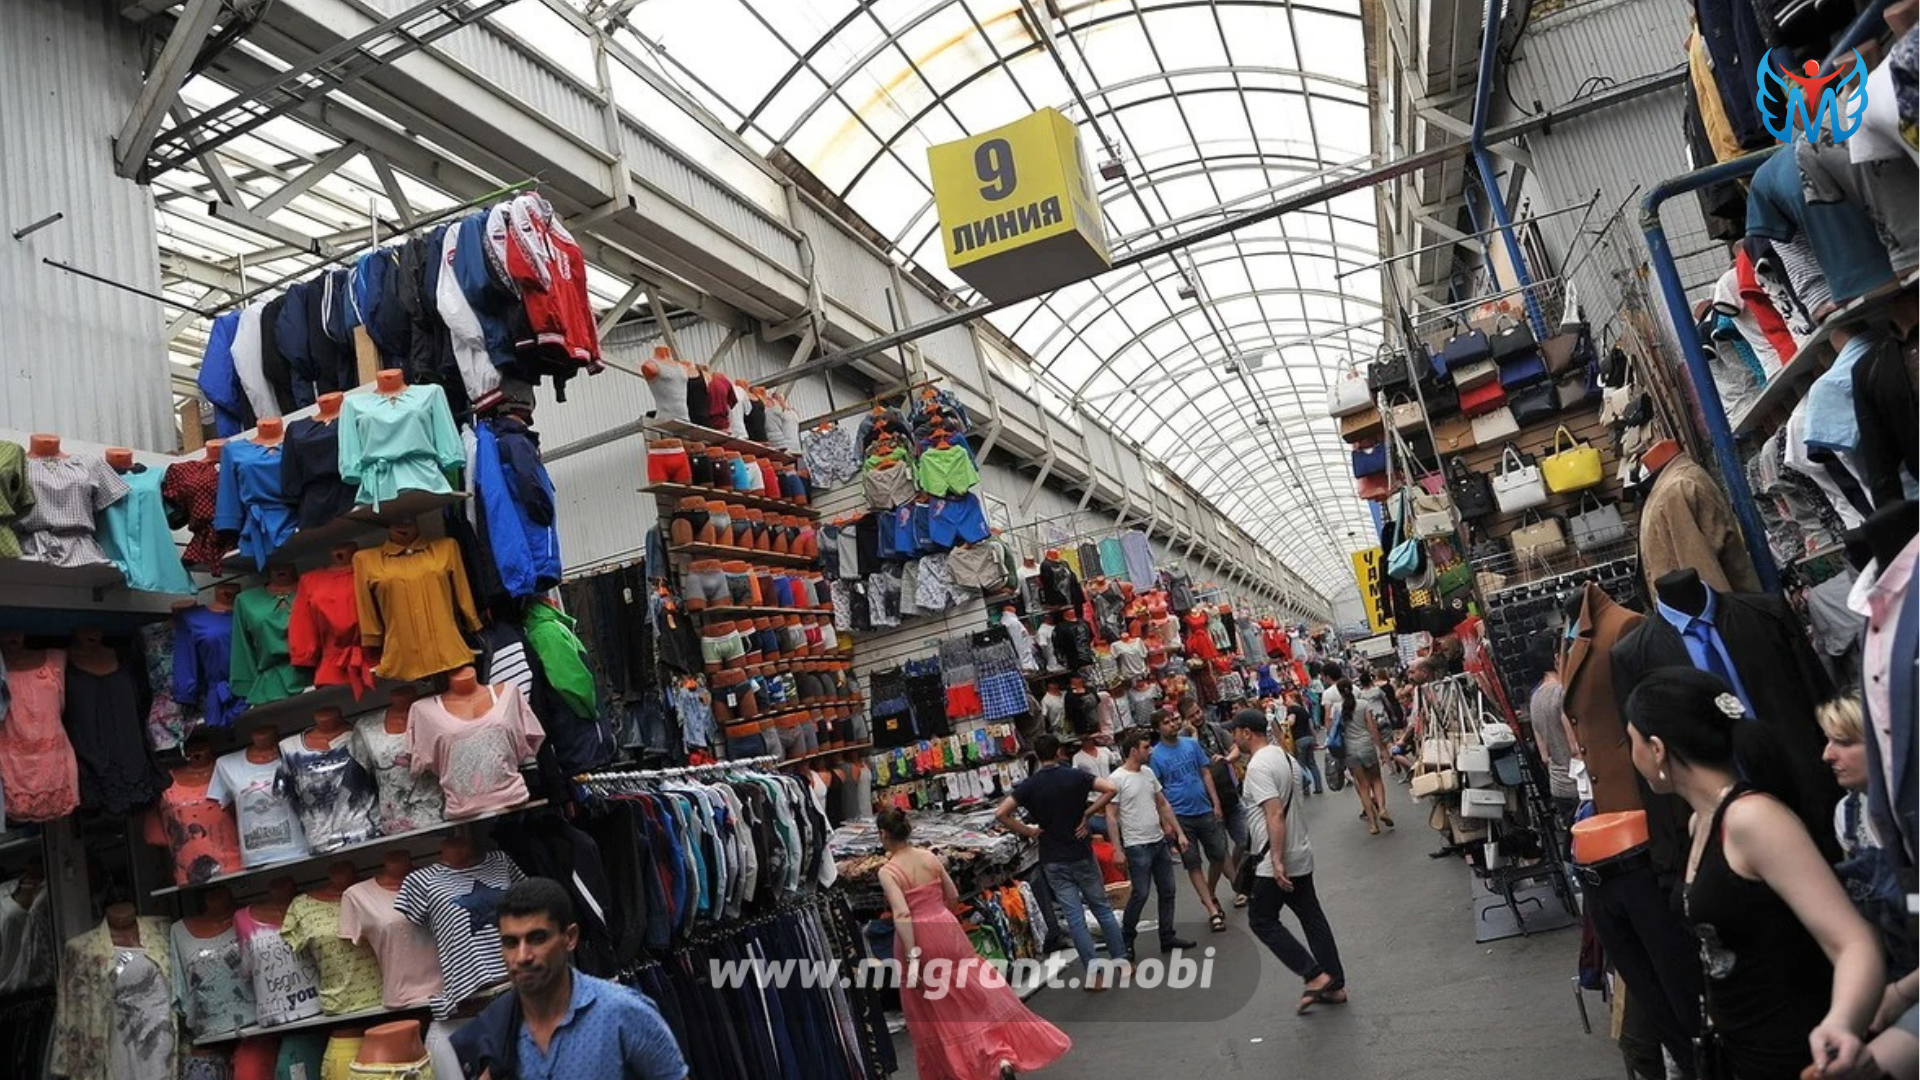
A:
1018	213
1366	571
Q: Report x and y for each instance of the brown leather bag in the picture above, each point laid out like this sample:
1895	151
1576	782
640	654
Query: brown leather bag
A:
1454	434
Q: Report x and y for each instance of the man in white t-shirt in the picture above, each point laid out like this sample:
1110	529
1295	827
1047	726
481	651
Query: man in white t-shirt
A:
1144	827
1277	836
1094	758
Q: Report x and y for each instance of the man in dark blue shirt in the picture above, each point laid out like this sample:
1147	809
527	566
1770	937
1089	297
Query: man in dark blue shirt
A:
1056	801
557	1023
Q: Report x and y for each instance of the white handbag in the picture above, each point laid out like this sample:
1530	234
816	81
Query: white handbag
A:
1496	426
1432	515
1477	763
1483	804
1495	734
1436	782
1349	394
1517	486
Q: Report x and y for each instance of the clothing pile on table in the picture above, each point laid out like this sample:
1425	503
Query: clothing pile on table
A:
484	307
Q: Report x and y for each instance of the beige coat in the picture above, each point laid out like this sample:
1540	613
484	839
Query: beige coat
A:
1688	524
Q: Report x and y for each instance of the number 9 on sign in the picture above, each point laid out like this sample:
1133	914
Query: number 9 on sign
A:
993	163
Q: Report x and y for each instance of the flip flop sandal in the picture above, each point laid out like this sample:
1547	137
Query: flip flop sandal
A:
1323	996
1217	922
1239	901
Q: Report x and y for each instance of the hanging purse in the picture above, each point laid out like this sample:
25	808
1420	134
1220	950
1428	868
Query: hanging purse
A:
1453	435
1463	349
1468	376
1538	537
1512	343
1388	373
1571	469
1483	804
1405	414
1522	370
1349	393
1407	559
1370	460
1563	352
1571	393
1361	427
1517	486
1496	426
1442	398
1534	404
1472	492
1484	398
1373	488
1432	516
1596	528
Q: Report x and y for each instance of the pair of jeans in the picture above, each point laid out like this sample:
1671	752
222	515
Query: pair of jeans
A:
1150	864
1309	763
1320	955
1079	887
1650	946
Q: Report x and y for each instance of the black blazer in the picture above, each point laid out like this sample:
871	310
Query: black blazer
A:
1782	678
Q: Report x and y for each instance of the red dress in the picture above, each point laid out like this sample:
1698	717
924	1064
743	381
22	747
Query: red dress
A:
979	1022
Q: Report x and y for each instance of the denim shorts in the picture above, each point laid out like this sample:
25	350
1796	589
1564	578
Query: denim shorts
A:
1205	833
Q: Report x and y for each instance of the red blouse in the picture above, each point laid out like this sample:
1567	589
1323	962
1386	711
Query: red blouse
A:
193	487
323	632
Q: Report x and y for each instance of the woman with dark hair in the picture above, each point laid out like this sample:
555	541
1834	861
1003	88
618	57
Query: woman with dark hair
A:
966	1023
1365	716
1792	973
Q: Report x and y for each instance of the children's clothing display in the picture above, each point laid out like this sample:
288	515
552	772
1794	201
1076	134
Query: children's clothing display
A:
262	668
269	827
38	770
215	996
68	492
349	974
202	665
251	501
405	441
197	830
409	965
310	472
323	630
413	602
408	801
333	793
286	985
459	906
111	995
137	539
477	761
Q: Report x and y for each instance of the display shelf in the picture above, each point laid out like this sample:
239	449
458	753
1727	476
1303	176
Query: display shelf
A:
360	523
680	429
834	665
747	555
20	838
727	495
337	854
42	599
754	612
805	707
363	1018
1821	552
1810	361
829	751
946	770
296	713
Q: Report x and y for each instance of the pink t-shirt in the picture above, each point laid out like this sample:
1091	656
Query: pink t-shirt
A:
478	760
409	964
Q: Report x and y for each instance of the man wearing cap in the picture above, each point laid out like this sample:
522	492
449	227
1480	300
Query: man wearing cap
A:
1283	876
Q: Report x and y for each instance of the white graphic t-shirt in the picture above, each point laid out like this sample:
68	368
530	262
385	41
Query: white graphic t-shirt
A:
269	829
286	985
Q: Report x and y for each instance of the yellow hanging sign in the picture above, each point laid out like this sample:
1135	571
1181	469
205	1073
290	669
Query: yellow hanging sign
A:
1366	572
1018	213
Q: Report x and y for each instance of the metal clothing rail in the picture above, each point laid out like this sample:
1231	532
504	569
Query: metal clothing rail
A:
627	776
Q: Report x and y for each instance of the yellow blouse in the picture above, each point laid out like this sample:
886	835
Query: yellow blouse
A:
413	602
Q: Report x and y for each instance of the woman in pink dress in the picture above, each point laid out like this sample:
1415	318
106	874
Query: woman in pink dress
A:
965	1021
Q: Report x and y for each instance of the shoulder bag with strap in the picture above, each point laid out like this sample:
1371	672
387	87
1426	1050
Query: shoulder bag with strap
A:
1248	871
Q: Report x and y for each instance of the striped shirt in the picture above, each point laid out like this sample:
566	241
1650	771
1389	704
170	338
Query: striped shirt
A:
459	906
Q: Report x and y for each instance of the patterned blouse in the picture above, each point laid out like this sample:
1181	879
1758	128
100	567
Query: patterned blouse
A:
83	1019
193	488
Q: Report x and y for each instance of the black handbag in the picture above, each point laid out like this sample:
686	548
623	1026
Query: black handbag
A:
1443	399
1534	404
1512	344
1472	492
1399	370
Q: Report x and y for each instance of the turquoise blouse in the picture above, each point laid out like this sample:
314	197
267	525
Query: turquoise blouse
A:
134	534
390	443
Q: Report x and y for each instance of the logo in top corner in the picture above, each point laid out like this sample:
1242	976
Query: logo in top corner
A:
1839	98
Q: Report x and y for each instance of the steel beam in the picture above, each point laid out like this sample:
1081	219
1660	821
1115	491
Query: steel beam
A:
162	87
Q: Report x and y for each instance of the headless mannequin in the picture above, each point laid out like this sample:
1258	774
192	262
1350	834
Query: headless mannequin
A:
216	914
198	770
273	910
329	408
13	649
399	706
394	868
1682	590
465	697
270	432
213	449
397	1043
282	579
457	850
327	726
263	745
90	654
404	532
121	459
223	595
123	925
340	556
32	880
44	446
340	877
389	381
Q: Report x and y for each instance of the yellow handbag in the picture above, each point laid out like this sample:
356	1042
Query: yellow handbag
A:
1576	467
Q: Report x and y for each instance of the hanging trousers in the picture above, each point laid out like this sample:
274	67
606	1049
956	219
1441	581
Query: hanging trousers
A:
1649	945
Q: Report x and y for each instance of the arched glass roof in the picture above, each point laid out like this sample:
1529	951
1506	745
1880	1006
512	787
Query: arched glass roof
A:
1218	359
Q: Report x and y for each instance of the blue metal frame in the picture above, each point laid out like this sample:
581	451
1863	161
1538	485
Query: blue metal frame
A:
1713	413
1483	161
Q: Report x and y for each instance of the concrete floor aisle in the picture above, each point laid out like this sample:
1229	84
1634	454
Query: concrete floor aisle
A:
1427	1001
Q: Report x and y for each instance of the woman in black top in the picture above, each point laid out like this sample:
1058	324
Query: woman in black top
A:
1793	974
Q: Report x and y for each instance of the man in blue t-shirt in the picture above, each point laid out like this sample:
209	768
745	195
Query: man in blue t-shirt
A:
1055	799
1181	763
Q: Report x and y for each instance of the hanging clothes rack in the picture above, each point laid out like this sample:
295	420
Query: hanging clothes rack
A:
676	772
